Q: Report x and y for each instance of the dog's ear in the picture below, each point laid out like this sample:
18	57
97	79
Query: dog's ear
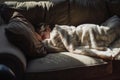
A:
51	26
41	24
38	26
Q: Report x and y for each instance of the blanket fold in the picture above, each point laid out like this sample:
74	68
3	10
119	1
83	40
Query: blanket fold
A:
86	39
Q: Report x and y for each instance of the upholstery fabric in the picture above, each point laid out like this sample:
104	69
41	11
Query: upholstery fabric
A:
1	21
87	11
113	21
35	12
114	7
57	65
10	55
21	33
74	12
62	60
58	13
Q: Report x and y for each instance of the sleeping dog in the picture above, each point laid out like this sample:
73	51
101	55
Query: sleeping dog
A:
87	39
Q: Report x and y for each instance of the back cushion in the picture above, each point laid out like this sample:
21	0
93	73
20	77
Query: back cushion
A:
87	11
113	21
72	12
114	7
34	11
59	12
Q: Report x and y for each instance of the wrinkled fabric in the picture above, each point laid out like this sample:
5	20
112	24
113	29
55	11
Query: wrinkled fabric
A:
86	39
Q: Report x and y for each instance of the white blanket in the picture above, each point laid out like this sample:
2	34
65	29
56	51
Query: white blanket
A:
86	39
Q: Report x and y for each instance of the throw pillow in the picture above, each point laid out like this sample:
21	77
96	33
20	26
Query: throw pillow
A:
21	33
113	21
114	24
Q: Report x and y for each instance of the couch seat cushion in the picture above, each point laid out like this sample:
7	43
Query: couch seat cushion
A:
67	65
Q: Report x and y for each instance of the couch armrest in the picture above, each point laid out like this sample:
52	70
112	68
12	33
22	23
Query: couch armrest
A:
10	55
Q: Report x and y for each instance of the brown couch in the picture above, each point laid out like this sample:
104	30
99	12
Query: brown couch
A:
63	65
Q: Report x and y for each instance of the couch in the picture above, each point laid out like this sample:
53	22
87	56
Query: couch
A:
62	65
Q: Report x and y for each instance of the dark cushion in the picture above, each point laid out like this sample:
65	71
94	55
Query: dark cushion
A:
114	7
1	21
67	66
58	13
114	24
87	11
33	11
21	33
112	21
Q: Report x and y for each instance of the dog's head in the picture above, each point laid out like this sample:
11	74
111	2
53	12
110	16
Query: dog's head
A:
43	30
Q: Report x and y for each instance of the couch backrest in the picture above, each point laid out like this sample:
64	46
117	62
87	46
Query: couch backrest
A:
71	12
87	11
114	7
34	11
59	13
